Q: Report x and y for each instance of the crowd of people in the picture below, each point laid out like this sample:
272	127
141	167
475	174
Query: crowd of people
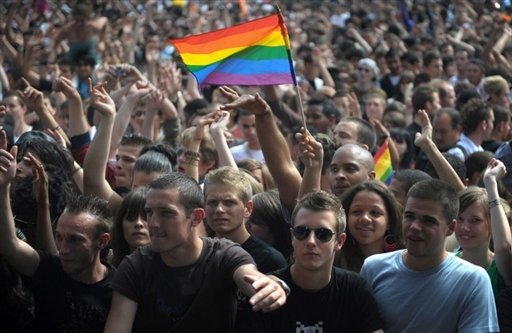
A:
132	200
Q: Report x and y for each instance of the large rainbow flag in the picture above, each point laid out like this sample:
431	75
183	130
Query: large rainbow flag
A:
383	167
252	53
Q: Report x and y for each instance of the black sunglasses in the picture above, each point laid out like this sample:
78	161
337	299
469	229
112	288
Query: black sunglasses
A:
322	234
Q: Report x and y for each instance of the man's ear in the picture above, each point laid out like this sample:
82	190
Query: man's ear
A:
340	240
248	209
104	240
197	216
371	175
451	227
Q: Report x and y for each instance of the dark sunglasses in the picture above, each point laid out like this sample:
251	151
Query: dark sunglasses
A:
322	234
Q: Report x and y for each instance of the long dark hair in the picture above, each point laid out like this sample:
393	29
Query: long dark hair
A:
351	254
132	207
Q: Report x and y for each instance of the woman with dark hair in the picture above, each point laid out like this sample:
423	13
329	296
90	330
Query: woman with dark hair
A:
58	164
373	224
267	222
405	146
130	226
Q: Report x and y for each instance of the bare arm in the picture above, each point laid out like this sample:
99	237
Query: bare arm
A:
34	100
266	294
441	165
16	252
218	132
501	234
274	147
77	120
311	153
97	155
121	315
44	231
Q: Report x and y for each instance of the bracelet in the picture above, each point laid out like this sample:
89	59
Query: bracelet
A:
494	203
55	128
191	157
285	287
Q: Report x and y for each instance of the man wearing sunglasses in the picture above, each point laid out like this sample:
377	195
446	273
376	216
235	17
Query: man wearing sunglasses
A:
323	298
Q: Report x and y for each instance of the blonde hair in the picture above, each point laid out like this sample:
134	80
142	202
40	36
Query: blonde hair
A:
495	84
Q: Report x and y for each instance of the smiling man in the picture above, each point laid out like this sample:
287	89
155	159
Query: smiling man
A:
323	298
424	288
350	165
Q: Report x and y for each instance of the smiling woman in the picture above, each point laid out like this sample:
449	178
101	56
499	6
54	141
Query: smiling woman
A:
373	224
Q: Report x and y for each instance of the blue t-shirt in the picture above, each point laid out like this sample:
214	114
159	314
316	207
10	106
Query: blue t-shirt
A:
455	296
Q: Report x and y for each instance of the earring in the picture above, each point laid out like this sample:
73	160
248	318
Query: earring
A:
390	243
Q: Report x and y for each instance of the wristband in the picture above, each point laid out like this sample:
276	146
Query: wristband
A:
191	157
285	286
494	203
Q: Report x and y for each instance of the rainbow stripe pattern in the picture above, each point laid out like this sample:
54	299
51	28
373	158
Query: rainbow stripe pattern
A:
252	53
383	167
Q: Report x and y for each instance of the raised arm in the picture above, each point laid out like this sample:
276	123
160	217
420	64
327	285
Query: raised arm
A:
44	231
441	165
97	155
274	147
218	130
15	251
311	154
34	100
77	120
501	234
191	147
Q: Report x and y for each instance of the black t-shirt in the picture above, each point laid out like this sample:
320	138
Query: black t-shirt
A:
267	258
197	298
346	304
66	305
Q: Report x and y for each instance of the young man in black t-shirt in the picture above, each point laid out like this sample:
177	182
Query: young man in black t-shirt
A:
182	282
228	205
322	298
72	290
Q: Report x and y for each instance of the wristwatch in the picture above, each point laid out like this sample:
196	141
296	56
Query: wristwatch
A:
285	287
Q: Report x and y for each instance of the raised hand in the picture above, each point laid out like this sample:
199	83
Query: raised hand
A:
64	85
253	104
424	139
221	122
32	97
495	170
311	152
229	93
8	165
170	79
101	100
204	122
40	178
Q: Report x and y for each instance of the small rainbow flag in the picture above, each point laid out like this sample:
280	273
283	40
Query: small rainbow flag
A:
252	53
383	167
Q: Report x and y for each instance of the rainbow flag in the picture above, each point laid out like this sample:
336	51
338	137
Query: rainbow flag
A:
252	53
383	167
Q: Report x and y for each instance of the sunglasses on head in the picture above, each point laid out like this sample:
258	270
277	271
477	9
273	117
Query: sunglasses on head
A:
322	234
